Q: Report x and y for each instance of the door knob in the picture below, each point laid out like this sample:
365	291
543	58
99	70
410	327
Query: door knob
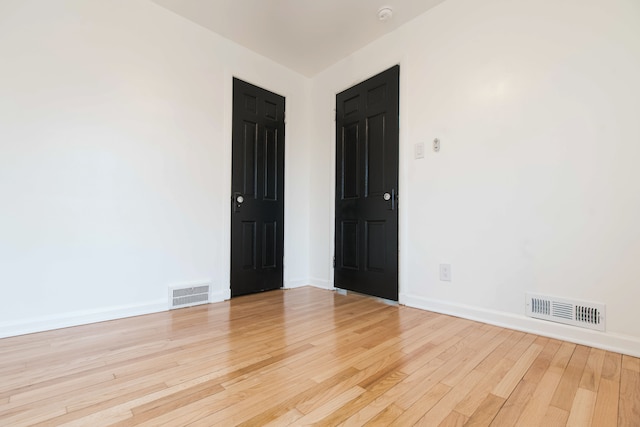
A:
390	197
236	201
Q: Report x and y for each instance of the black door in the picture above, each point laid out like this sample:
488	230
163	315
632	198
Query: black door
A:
257	186
366	228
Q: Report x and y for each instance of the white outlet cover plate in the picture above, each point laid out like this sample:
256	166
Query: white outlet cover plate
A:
445	272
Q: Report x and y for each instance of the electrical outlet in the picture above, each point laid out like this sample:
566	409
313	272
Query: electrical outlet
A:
445	272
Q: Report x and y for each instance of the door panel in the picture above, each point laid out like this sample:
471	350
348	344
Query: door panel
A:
374	175
249	146
257	185
349	244
366	230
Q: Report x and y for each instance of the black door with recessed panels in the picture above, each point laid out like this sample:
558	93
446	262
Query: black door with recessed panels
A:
366	205
257	186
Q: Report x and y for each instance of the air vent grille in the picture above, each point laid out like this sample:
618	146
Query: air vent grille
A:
187	296
562	310
588	314
569	312
540	306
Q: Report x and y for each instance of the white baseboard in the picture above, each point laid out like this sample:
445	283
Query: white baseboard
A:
223	295
47	323
295	283
84	317
605	340
321	283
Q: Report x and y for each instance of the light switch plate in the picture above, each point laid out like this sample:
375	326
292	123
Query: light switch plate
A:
419	150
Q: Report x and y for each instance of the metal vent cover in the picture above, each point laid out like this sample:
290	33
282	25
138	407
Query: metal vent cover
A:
187	296
570	312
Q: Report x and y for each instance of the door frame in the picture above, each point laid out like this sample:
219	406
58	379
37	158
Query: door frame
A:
403	152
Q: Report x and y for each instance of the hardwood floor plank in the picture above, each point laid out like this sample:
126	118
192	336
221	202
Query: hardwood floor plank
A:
540	366
431	351
103	405
251	404
481	391
288	418
495	366
612	366
515	374
421	406
32	416
510	411
357	379
606	408
566	390
372	392
593	370
504	351
486	412
629	406
439	412
451	357
555	417
112	390
582	408
325	410
385	417
535	410
64	386
512	408
174	401
210	406
630	363
309	356
454	419
478	352
607	401
281	407
436	332
414	381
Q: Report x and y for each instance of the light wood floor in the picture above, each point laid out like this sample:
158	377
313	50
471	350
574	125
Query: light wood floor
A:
309	356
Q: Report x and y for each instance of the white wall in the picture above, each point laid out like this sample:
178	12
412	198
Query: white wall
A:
536	186
115	129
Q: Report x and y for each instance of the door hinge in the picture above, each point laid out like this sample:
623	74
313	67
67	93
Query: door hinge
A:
334	262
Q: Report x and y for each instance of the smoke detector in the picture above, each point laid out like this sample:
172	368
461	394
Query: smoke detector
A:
385	13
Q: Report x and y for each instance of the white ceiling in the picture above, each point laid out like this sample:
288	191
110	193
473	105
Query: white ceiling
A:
304	35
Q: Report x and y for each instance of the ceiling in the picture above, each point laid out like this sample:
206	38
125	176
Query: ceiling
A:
304	35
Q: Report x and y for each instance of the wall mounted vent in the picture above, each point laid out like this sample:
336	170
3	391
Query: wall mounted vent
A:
187	296
570	312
